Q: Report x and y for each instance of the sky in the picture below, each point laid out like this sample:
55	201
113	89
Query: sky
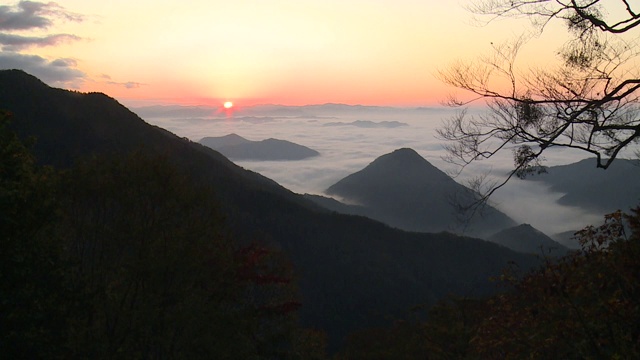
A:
206	52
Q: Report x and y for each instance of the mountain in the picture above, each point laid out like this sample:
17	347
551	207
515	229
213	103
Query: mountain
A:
222	141
236	147
525	238
601	191
353	272
404	190
568	239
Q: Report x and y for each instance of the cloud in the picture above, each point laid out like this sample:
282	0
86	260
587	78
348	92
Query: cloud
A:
12	42
126	85
33	15
369	124
347	149
56	71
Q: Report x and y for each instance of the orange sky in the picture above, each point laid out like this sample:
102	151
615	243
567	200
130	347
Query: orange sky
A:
373	52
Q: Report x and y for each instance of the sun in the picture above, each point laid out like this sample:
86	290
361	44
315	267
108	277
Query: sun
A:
228	105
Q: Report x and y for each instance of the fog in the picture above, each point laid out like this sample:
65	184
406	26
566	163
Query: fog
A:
349	138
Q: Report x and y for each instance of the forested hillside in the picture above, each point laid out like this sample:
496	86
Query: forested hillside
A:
352	272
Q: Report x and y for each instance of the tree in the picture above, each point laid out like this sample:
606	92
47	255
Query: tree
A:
158	274
34	295
583	306
590	102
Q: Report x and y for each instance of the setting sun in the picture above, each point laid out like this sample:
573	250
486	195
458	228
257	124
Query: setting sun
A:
228	105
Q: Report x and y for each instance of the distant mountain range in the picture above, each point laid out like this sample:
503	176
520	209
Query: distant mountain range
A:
602	191
353	272
236	147
525	238
403	190
328	110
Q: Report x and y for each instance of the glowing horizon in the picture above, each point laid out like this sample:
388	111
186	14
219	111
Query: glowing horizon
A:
269	52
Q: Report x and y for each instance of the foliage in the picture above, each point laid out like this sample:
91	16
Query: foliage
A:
376	271
31	283
589	103
127	257
583	306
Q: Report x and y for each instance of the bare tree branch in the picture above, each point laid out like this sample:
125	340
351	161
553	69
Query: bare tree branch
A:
591	102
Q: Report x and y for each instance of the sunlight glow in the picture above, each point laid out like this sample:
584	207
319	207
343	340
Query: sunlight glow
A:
228	105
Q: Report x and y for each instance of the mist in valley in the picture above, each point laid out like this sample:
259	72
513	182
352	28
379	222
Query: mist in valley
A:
348	138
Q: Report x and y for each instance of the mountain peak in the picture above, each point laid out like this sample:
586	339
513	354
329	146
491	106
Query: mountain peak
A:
404	163
20	78
403	189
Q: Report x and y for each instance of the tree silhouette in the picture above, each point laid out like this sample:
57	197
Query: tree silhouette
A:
589	103
34	295
158	273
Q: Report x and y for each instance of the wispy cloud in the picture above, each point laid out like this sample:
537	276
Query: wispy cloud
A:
13	42
27	15
126	85
105	78
33	16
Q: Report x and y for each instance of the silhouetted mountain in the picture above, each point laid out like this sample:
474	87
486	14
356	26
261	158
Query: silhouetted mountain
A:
525	238
222	141
601	191
404	190
236	147
353	272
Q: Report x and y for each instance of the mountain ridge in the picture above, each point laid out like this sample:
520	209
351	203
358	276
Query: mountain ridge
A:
596	189
353	272
236	147
527	239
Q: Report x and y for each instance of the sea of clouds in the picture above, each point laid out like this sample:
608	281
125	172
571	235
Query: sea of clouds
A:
349	138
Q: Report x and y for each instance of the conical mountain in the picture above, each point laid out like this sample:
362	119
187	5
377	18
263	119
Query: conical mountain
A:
404	190
525	238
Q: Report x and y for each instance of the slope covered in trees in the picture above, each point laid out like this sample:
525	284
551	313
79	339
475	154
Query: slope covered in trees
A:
527	239
352	272
95	266
583	306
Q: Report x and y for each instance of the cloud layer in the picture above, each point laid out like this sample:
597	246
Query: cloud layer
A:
55	71
12	42
347	149
26	15
33	15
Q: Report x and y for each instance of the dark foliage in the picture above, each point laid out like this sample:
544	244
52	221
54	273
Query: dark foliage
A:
353	272
583	306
